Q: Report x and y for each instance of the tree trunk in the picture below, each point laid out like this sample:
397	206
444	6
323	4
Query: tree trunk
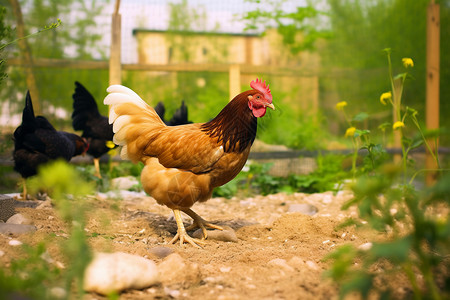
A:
27	58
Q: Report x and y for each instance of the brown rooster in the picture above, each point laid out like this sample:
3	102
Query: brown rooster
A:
183	164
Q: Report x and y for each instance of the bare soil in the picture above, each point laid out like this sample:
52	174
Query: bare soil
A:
266	231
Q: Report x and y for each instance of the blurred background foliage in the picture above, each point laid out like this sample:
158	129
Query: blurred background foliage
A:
347	35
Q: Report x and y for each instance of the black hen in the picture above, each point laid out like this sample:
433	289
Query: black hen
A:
179	117
95	127
37	142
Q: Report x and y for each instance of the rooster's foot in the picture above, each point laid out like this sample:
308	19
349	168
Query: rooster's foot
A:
182	234
184	237
200	223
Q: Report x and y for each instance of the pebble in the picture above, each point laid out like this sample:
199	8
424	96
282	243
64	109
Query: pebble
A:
15	243
172	293
297	262
161	252
280	263
114	272
124	183
225	269
58	293
2	253
174	269
304	208
365	246
19	219
312	265
225	235
15	229
45	204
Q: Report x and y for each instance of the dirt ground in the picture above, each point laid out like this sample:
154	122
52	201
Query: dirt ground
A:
245	269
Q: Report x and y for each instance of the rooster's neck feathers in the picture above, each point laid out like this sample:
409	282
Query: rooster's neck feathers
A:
235	126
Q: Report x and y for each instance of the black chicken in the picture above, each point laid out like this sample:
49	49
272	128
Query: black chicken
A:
95	127
37	142
180	116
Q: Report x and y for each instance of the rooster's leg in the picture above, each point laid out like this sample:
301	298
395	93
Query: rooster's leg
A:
181	233
97	168
200	223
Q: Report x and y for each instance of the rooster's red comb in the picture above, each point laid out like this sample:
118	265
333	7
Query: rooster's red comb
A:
261	86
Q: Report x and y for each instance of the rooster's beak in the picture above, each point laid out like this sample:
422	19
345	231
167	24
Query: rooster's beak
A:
271	106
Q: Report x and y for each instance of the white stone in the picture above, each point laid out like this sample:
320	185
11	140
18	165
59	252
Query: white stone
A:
15	243
115	272
124	183
365	246
18	219
312	265
226	235
280	263
58	293
303	208
297	262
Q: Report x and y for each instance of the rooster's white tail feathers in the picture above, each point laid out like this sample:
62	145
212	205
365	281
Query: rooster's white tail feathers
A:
123	121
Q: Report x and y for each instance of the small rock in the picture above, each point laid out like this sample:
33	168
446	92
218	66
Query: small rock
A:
58	293
160	251
280	263
327	199
124	183
312	265
304	208
6	207
114	272
15	243
365	246
225	235
45	204
172	293
297	262
19	219
174	269
225	269
2	253
7	229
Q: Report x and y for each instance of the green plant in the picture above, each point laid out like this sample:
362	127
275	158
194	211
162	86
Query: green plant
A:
412	239
256	179
34	277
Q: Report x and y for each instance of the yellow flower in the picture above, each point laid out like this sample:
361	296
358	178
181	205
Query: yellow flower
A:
110	144
407	62
350	132
341	105
398	124
384	97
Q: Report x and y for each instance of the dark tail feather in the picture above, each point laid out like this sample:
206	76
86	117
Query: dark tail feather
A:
160	110
180	116
28	118
84	107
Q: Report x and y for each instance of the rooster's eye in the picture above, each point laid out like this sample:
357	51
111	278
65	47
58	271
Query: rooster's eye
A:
258	97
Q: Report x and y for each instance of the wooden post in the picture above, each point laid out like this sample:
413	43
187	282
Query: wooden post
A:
235	80
432	94
115	66
27	57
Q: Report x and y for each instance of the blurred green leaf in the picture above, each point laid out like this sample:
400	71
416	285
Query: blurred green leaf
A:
360	117
397	251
